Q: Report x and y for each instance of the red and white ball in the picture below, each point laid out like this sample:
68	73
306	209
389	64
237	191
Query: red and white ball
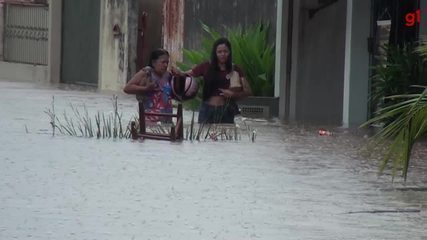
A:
184	87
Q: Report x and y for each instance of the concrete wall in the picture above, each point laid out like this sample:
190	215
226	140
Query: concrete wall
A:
356	75
55	41
281	60
132	38
23	72
295	58
114	48
319	86
1	29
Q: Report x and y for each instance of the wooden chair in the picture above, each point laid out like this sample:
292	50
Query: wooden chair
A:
176	132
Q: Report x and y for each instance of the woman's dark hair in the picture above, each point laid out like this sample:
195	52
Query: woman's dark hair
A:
156	54
211	80
214	57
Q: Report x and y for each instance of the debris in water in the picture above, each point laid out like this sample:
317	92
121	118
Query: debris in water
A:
388	211
253	135
323	132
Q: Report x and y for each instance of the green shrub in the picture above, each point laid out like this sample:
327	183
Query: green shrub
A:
251	51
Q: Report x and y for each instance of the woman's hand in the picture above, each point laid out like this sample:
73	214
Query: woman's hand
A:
227	93
176	71
152	86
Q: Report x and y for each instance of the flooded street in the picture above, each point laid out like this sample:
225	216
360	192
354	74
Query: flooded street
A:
290	183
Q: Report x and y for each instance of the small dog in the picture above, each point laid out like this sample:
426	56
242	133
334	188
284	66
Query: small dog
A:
235	83
146	79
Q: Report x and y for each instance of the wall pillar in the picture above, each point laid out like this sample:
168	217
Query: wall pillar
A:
356	70
280	78
55	40
1	30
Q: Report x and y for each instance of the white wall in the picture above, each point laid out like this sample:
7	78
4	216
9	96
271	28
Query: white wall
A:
23	72
113	49
356	75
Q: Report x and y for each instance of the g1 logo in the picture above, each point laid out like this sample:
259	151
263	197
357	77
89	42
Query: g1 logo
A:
412	18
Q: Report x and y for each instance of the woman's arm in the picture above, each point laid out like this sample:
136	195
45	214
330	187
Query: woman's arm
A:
197	71
176	71
246	92
134	87
246	88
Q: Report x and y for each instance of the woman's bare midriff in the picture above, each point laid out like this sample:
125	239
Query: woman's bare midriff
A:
216	101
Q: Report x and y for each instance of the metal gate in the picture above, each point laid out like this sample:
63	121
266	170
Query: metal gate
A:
26	33
80	42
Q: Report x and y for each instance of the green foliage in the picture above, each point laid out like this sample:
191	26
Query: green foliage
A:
409	124
404	108
395	74
252	52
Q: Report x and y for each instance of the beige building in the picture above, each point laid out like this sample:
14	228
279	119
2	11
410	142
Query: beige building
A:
64	41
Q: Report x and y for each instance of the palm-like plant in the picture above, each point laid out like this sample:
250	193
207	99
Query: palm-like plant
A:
395	74
251	51
407	122
408	125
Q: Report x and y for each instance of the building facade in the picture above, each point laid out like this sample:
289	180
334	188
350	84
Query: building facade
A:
324	53
323	47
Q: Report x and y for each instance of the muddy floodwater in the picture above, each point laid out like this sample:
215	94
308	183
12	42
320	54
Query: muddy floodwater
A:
289	184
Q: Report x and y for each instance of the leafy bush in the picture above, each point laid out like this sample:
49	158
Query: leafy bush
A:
395	74
404	105
251	51
398	137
